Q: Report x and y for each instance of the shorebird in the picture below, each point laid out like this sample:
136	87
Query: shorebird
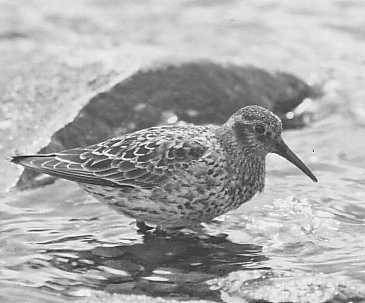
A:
175	176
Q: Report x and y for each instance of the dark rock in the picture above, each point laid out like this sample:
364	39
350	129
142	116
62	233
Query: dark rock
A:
200	92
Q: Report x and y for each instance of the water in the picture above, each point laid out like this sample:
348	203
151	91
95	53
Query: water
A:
58	244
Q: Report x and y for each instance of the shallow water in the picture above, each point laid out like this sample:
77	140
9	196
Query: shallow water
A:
57	243
59	240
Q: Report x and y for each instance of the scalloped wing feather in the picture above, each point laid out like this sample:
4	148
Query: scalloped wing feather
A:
141	159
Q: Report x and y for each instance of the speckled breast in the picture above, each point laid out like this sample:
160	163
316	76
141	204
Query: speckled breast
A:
197	194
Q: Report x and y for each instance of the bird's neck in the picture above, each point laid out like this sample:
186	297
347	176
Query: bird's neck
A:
245	162
251	171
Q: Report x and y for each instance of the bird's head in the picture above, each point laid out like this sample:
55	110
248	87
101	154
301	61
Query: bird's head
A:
258	130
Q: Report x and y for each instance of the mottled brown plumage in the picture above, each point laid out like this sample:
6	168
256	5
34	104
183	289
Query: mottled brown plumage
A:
175	175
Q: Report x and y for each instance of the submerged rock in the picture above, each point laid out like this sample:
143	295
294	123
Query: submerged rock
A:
198	92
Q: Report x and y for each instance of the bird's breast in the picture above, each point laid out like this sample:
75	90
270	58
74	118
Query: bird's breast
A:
248	178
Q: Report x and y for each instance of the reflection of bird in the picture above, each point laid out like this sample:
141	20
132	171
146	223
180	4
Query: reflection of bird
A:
175	176
157	265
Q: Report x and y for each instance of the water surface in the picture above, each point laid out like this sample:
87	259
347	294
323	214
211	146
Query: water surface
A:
57	243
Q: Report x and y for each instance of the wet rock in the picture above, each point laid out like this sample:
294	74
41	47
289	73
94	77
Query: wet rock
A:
198	92
268	286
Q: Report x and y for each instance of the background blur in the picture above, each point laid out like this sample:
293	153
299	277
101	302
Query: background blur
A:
55	55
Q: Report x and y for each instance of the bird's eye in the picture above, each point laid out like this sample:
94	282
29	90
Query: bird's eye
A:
260	129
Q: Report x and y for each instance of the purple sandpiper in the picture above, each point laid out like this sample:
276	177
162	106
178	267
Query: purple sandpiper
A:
175	176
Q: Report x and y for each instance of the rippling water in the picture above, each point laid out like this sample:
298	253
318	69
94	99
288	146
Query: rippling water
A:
57	240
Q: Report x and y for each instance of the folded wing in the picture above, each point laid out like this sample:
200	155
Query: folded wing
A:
141	159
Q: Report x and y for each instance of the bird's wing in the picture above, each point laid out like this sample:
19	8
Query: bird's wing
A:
142	159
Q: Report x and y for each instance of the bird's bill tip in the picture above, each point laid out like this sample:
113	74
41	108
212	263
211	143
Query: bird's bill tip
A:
284	151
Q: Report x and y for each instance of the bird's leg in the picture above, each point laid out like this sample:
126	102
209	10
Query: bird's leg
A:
143	227
159	231
177	231
196	229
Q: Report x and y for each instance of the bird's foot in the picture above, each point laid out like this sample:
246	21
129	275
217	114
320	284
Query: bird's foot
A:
195	231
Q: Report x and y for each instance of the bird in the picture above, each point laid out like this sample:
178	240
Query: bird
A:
178	175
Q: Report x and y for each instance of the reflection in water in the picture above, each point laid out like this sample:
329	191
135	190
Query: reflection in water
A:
175	266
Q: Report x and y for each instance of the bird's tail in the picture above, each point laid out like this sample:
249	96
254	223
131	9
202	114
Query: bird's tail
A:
31	161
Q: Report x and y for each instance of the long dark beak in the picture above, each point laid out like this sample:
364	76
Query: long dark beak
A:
283	150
